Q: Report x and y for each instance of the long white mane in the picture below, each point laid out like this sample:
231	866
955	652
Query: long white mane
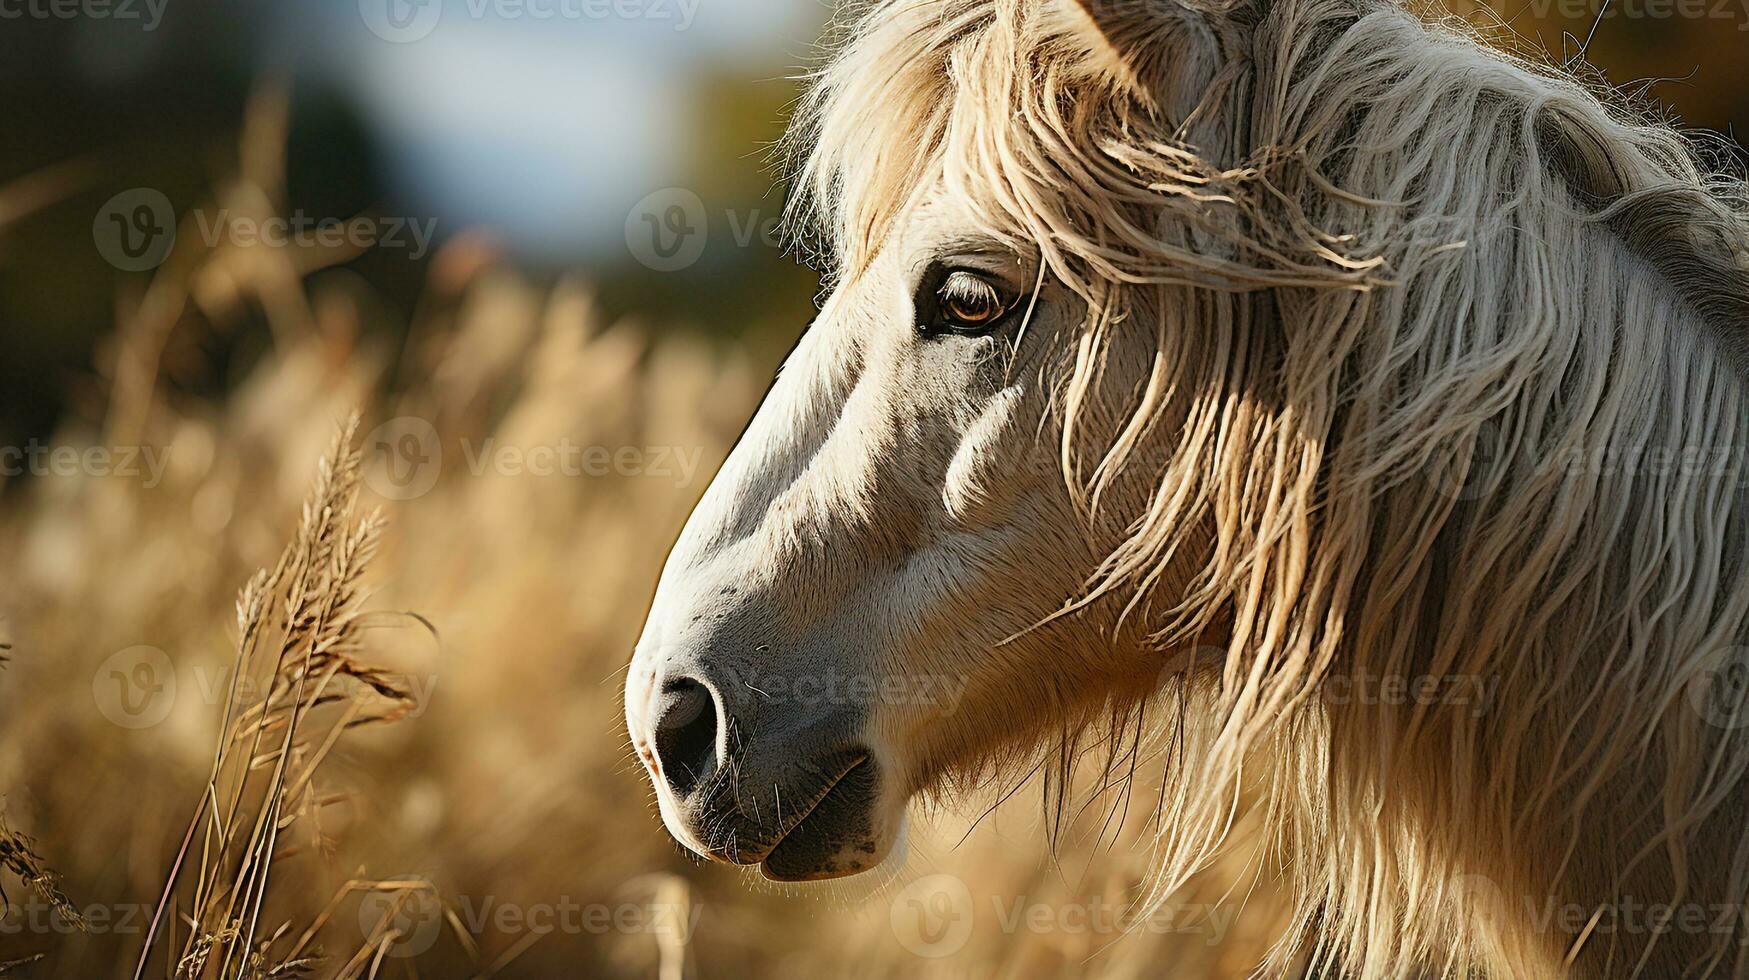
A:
1462	342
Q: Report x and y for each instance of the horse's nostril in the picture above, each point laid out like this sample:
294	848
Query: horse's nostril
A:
686	734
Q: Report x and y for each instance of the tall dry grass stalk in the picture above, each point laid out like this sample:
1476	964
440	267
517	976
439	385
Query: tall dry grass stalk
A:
299	645
19	857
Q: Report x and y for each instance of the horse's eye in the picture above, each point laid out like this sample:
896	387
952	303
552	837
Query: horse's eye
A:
967	304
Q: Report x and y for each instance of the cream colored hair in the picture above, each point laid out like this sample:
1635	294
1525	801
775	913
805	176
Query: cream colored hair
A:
1447	323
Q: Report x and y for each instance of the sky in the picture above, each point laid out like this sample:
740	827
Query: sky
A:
546	120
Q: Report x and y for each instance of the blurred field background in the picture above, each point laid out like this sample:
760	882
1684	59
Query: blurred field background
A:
493	822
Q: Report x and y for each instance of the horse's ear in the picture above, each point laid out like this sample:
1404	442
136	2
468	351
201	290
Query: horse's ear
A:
1165	51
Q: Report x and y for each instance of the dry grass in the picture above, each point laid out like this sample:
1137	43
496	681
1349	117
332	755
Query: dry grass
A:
300	635
498	826
18	856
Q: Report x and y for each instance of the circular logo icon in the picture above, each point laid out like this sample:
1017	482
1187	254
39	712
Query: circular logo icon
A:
1181	664
411	917
402	458
1459	480
400	21
1720	695
136	687
666	231
135	229
1477	898
932	916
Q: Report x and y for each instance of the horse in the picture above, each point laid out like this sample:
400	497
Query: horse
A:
1317	386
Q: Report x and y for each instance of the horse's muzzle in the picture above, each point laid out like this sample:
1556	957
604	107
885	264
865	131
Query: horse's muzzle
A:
747	779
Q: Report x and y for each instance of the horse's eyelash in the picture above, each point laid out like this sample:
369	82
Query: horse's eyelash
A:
965	287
